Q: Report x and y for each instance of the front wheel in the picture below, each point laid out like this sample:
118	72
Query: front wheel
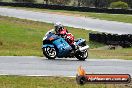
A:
82	55
49	52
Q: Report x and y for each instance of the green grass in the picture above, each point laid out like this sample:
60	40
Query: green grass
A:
103	16
24	38
38	1
7	0
112	54
49	82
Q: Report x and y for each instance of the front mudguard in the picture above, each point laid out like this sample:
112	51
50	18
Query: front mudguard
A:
47	45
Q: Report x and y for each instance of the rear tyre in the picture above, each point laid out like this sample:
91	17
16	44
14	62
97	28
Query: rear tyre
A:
82	55
49	52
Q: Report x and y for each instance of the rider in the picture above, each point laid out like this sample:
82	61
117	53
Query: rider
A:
63	32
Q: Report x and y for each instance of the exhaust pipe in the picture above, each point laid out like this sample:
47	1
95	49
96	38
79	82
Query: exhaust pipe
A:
84	48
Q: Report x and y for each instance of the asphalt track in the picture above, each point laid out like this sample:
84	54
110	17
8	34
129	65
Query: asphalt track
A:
40	66
77	22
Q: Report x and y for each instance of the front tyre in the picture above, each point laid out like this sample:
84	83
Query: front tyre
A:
82	55
49	52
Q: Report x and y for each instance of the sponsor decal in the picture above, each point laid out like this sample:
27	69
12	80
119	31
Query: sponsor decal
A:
83	78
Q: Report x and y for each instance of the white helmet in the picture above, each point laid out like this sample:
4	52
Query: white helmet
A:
58	23
58	27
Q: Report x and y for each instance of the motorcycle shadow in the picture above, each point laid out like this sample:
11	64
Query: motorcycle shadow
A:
64	59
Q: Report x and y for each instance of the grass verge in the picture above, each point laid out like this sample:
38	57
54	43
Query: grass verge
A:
103	16
49	82
24	38
125	53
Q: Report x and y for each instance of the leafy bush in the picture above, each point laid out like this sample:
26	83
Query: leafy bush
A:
119	4
31	1
60	2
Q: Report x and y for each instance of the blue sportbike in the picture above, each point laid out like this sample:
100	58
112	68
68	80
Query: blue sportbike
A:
56	46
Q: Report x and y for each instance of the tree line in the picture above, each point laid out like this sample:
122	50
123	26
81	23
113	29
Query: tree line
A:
87	3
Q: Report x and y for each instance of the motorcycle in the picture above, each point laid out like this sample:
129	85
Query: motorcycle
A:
56	46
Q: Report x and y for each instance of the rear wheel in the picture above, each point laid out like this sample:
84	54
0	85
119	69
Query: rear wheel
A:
49	52
82	55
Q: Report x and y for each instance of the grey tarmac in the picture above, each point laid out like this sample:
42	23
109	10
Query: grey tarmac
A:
67	67
71	21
